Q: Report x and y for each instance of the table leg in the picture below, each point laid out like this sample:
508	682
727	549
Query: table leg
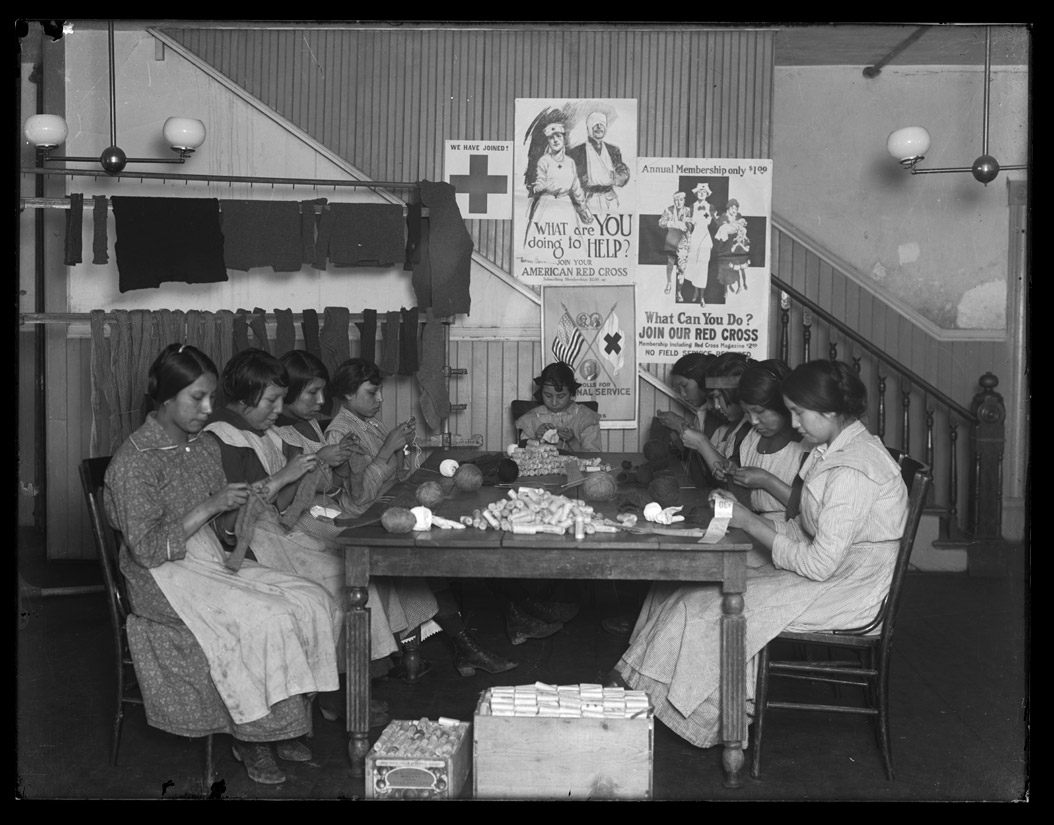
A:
733	687
357	651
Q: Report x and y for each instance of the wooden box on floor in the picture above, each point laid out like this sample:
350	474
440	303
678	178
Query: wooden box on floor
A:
536	757
428	776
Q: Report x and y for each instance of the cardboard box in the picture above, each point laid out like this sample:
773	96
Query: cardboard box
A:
538	757
396	767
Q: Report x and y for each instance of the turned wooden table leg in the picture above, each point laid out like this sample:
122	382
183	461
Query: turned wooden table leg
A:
733	687
357	649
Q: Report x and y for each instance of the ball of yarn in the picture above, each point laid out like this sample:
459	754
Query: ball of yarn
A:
398	520
468	478
429	494
599	487
654	450
666	491
645	474
508	471
448	467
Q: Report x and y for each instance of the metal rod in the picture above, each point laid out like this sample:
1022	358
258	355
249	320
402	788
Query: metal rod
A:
113	90
1002	168
375	184
987	81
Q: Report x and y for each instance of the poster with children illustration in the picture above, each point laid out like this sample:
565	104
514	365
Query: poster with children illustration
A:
703	256
591	329
574	191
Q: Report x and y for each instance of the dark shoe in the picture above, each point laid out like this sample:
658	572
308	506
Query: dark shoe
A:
259	762
522	626
399	671
292	750
561	612
469	655
332	708
619	626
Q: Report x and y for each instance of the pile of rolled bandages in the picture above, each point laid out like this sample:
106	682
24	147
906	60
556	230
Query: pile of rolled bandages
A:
585	701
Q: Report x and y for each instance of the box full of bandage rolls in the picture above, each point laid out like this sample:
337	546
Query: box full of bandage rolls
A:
562	742
419	759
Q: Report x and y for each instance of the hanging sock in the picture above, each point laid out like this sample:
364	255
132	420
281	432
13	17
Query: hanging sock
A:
195	328
389	363
334	337
241	331
309	325
325	232
74	228
225	346
435	394
258	326
308	228
368	335
285	332
101	385
100	214
408	359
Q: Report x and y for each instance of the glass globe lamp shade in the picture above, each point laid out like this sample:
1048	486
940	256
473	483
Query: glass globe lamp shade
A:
184	133
46	131
909	144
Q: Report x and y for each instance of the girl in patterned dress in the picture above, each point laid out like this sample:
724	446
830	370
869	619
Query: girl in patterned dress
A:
215	651
831	567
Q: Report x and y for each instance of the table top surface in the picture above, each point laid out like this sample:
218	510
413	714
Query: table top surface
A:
367	531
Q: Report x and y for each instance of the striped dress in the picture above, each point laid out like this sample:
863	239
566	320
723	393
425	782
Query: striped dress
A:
832	567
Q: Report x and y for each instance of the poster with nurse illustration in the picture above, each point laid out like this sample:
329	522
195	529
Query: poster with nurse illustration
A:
575	191
703	256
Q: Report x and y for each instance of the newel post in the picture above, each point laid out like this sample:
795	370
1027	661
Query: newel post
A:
986	552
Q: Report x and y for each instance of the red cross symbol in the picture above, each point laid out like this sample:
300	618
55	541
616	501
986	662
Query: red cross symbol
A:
477	184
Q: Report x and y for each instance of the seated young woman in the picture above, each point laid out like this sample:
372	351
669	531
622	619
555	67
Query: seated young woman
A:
558	419
214	651
688	381
254	385
380	458
832	564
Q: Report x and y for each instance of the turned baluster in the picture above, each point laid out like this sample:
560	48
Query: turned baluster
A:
881	423
905	422
806	334
785	305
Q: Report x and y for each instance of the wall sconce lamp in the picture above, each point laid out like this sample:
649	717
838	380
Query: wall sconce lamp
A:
910	144
47	132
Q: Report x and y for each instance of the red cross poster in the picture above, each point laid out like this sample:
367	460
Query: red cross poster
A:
481	173
574	191
591	328
703	257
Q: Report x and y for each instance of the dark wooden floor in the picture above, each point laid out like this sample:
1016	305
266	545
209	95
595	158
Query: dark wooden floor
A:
959	705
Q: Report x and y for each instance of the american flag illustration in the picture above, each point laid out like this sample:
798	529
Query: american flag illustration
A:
568	343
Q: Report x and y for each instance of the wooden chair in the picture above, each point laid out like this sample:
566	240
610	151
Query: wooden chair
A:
107	543
868	647
521	406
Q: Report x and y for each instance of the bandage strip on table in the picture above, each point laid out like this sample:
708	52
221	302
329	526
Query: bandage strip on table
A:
719	523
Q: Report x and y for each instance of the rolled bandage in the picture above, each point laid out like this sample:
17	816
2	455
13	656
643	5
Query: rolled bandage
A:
719	523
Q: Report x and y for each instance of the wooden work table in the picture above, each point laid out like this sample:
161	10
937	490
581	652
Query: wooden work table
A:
472	553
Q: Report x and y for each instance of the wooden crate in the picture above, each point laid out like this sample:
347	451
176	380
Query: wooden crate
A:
397	776
560	758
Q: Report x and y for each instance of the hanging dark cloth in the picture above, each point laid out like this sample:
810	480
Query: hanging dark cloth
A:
435	394
258	327
441	278
334	337
309	326
408	357
262	233
225	337
100	214
365	234
368	335
309	228
167	239
240	331
74	230
102	397
389	362
284	333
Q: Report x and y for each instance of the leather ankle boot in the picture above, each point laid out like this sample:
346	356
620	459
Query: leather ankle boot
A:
523	626
561	612
469	655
